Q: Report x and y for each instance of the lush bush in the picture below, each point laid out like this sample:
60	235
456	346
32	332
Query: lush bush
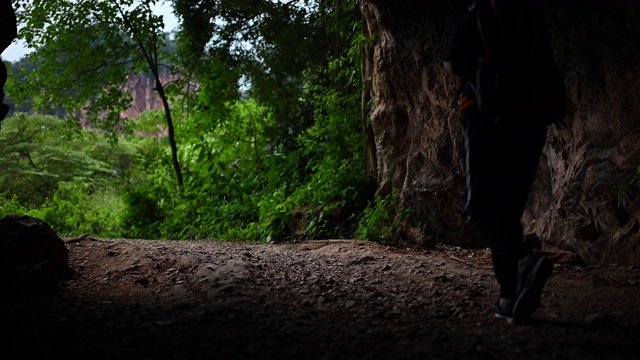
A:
279	158
240	184
67	177
76	209
382	220
10	205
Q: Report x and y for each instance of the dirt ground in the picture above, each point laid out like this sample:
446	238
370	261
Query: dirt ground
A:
138	299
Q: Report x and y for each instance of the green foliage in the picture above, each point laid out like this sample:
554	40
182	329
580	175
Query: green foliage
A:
66	178
36	154
226	166
86	51
243	187
335	183
284	164
142	215
382	220
84	209
272	45
74	209
18	72
11	206
271	138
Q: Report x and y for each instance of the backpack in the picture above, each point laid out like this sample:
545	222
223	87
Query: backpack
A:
525	83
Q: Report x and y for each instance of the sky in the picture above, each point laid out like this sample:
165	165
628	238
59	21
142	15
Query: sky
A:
17	49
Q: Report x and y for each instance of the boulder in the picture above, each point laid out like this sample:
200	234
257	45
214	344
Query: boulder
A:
33	258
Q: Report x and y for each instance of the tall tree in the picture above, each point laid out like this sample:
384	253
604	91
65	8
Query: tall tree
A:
276	46
87	50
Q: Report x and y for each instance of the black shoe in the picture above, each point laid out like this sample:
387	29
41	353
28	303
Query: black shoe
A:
503	311
533	273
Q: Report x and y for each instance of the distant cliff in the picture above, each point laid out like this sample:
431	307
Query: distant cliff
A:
145	98
140	86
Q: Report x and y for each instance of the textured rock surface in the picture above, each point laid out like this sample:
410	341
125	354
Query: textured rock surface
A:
32	257
145	98
418	140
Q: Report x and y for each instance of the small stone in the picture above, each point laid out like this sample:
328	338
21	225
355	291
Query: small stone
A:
142	281
596	319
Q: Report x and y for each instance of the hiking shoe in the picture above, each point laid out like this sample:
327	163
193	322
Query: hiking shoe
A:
503	311
533	272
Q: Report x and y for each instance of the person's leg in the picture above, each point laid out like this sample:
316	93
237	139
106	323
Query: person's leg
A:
489	196
500	166
518	160
531	271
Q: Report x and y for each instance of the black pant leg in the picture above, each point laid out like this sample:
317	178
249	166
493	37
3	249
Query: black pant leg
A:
501	162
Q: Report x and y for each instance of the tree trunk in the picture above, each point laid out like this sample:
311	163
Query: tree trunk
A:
369	138
172	138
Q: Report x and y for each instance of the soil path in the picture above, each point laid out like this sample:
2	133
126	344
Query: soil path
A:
137	299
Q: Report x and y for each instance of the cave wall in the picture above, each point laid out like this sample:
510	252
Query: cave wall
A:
419	142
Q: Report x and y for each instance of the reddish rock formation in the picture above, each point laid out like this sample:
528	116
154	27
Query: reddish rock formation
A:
145	98
418	140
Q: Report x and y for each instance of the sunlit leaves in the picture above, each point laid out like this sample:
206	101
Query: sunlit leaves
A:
272	45
86	50
272	134
37	153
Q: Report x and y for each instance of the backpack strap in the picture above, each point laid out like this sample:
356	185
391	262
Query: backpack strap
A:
483	35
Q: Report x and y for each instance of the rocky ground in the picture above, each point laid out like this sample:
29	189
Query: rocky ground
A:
135	299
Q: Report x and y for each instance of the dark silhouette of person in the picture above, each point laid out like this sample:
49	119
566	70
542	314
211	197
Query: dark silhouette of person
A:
8	32
504	138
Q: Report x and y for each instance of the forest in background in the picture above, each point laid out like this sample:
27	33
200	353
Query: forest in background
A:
261	139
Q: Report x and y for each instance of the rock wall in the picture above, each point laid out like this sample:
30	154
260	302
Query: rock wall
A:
145	98
419	143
